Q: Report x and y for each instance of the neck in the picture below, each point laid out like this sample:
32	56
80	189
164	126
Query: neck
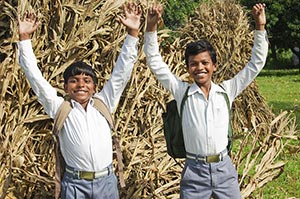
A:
205	89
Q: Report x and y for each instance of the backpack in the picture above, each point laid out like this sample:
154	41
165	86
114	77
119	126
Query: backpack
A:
59	120
172	126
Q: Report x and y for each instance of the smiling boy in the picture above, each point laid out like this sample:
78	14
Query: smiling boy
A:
85	138
208	170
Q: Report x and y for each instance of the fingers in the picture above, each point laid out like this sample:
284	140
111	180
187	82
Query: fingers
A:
19	18
121	19
258	12
28	23
259	8
29	16
156	10
132	8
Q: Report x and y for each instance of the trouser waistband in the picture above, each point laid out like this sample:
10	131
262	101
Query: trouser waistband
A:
209	159
89	175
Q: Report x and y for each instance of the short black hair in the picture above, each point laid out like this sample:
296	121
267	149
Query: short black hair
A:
200	46
78	68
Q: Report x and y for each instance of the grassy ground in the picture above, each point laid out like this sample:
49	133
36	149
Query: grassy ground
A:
281	89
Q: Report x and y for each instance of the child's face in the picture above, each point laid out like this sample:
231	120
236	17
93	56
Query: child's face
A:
201	68
80	88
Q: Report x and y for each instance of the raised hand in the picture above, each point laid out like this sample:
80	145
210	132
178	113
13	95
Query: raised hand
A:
27	26
132	19
153	17
258	12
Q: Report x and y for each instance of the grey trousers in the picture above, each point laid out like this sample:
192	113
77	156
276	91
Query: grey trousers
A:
101	188
200	180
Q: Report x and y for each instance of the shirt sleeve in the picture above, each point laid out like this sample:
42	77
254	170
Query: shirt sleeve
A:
121	74
47	95
258	59
160	69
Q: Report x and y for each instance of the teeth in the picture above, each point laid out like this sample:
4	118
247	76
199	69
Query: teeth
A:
201	72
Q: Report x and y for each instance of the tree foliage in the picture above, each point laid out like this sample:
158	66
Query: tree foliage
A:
177	12
283	22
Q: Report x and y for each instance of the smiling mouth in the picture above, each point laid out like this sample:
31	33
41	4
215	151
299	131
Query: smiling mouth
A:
199	74
80	91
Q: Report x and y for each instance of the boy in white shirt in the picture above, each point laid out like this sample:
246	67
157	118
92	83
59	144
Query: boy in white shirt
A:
85	139
208	170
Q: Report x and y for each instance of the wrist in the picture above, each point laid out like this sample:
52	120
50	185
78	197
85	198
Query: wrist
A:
260	26
133	32
151	29
24	37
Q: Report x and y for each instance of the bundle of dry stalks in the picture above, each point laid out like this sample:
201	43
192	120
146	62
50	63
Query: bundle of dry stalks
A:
88	30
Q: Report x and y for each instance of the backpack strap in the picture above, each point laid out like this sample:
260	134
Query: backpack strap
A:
183	102
230	132
61	115
103	109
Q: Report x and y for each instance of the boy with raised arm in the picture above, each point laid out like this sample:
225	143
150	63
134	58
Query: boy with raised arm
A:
85	139
208	170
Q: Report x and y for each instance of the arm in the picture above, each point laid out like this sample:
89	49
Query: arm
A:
113	89
154	60
259	54
47	95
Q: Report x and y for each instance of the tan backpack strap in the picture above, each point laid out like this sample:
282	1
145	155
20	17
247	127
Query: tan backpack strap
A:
60	117
120	161
103	109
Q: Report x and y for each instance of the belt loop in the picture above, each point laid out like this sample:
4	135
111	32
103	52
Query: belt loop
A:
223	153
77	174
108	169
197	158
221	156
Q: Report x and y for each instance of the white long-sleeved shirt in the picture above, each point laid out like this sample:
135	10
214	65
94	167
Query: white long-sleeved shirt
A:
205	121
85	139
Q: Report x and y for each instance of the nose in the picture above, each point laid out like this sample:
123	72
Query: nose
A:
80	83
200	66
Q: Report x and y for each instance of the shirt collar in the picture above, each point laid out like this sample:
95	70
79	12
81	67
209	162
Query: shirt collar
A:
75	103
194	88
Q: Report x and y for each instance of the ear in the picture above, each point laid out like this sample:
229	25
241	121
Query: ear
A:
215	67
66	88
95	87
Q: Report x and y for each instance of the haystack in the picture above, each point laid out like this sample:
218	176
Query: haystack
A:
88	30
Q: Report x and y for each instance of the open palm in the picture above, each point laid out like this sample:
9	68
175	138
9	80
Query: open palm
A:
28	25
132	16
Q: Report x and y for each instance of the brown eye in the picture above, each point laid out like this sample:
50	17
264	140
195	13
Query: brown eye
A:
193	64
205	63
72	80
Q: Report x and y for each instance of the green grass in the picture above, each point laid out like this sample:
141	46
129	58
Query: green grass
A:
281	89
